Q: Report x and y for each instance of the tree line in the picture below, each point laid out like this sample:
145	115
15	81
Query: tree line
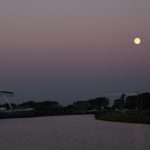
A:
139	102
45	108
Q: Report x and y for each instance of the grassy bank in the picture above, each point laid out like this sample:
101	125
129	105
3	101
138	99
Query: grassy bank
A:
124	117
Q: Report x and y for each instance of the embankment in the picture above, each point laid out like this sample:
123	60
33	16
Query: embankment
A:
124	117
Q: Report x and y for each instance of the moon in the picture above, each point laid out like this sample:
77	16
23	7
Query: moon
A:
137	41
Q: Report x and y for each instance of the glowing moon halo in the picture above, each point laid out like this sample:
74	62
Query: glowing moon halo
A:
137	41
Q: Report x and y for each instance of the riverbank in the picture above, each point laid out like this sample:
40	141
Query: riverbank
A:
124	117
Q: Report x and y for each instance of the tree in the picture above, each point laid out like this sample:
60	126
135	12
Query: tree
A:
98	103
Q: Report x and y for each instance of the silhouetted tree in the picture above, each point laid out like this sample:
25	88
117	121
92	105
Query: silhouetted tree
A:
98	103
138	102
81	106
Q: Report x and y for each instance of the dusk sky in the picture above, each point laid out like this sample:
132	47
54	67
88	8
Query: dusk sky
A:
67	50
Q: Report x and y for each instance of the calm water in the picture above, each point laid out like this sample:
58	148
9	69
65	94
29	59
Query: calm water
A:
72	133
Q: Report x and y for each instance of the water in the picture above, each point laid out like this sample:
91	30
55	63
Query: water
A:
72	133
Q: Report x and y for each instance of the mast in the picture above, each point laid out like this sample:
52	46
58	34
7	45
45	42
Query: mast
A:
3	94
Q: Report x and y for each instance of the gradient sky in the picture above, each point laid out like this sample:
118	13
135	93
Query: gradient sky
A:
67	50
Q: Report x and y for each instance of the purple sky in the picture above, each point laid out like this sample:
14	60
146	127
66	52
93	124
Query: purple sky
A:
68	50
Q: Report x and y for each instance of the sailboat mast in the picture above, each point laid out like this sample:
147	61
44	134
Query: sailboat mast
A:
2	93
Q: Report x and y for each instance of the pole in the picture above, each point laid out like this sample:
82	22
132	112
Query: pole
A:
3	95
141	104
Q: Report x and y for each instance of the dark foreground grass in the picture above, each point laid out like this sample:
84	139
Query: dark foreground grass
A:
124	117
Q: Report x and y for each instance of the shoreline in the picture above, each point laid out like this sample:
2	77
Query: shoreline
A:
123	117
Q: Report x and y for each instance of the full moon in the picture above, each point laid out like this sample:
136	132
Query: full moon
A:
137	41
